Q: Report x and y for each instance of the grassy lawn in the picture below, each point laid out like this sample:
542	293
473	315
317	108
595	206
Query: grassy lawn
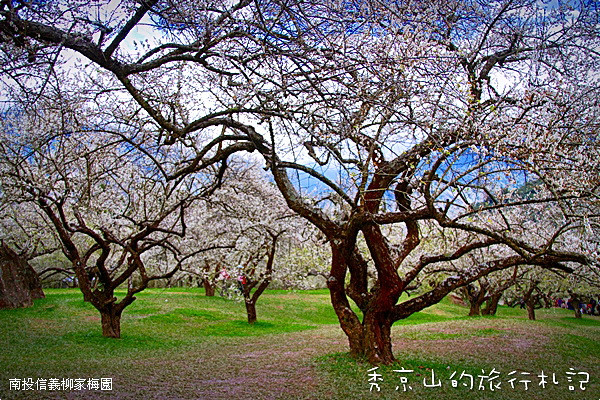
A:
179	344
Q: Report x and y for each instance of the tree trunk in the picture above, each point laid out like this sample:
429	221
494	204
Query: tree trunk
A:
87	297
475	297
248	283
251	311
492	305
575	304
209	289
531	310
372	340
19	283
111	323
377	343
530	299
474	309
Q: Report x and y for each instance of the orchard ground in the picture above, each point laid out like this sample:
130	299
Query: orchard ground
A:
179	344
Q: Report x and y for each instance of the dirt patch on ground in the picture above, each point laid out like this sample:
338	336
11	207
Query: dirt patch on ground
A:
269	367
283	366
505	342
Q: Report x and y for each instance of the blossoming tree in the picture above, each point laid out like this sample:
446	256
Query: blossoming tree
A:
430	117
374	118
110	208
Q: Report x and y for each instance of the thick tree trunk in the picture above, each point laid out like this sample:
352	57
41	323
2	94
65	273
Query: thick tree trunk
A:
492	305
19	283
530	299
474	309
372	340
356	341
475	296
248	284
87	297
209	289
111	323
378	339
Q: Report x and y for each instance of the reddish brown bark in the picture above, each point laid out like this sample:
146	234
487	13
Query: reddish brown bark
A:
530	311
209	288
530	300
209	278
371	337
251	311
111	322
378	339
475	309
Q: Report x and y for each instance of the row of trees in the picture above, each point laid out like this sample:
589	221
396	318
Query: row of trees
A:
531	289
120	224
470	124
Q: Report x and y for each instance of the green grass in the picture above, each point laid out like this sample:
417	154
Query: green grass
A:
63	326
178	343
